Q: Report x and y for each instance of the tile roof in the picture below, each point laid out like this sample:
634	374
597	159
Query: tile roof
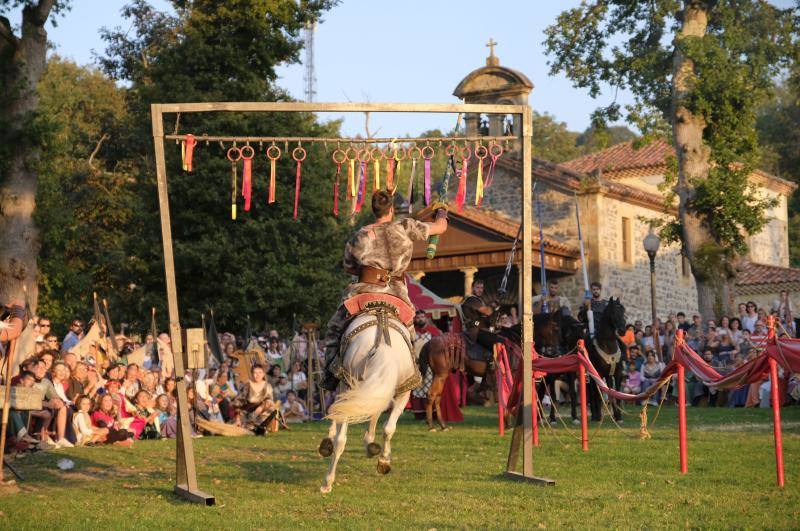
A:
753	273
502	224
623	156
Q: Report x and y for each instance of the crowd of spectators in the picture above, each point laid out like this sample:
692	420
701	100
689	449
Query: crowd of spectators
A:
725	344
102	399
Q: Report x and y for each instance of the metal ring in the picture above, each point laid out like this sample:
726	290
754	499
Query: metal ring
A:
372	154
466	153
235	150
397	152
411	152
270	151
338	151
363	155
347	154
251	150
492	146
450	150
387	155
480	148
297	157
425	150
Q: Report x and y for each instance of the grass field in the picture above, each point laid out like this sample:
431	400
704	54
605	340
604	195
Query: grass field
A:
439	480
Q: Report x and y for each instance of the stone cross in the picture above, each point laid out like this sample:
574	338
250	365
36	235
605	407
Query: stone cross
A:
491	44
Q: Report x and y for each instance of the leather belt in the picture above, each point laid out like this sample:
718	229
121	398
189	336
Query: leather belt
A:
377	276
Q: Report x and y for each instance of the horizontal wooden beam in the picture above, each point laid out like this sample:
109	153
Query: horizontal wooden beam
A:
489	259
297	106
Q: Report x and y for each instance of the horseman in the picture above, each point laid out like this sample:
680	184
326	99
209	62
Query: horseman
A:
378	254
555	302
596	303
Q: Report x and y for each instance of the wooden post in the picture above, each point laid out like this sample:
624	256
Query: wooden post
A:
526	286
186	475
682	418
584	419
6	405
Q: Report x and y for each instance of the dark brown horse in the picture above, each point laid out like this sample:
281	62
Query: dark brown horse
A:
554	335
450	353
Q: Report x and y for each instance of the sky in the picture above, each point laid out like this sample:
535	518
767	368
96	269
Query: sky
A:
379	51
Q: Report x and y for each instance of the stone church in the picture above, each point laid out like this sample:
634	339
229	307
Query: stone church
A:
616	189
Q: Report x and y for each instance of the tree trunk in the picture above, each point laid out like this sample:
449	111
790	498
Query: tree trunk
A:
714	282
19	238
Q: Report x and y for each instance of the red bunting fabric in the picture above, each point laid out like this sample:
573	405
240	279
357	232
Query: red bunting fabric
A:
786	352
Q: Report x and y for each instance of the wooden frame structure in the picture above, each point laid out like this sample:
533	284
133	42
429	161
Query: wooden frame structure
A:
186	476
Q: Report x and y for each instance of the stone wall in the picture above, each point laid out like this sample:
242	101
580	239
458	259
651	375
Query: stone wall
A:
771	245
631	282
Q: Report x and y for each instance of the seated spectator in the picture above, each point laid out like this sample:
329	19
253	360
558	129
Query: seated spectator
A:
70	359
144	417
85	431
735	330
274	353
106	415
274	375
633	381
727	353
254	404
724	327
223	393
298	379
74	335
699	389
48	357
19	419
61	379
206	406
636	357
130	385
750	317
293	410
283	387
55	410
650	373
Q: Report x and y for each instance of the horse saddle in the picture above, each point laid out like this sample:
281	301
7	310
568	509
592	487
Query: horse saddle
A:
476	351
364	302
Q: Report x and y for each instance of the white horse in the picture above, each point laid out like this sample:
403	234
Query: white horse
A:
380	373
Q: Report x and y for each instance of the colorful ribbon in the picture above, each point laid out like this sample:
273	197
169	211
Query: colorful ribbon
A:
480	153
273	154
298	154
412	191
336	190
247	176
362	186
461	195
234	154
427	173
376	169
187	152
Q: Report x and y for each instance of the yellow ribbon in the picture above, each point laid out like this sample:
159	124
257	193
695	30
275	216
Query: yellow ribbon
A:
184	166
376	168
351	177
479	188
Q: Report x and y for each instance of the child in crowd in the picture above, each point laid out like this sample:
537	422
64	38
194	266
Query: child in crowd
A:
105	415
144	418
633	383
85	431
293	410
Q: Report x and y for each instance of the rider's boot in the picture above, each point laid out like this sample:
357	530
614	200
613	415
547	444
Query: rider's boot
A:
332	367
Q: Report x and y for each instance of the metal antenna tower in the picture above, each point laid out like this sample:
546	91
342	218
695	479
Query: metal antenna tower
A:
309	79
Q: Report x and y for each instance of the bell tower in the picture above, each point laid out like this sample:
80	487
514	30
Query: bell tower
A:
493	83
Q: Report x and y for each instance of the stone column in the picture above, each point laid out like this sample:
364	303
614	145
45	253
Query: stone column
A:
469	276
471	120
496	124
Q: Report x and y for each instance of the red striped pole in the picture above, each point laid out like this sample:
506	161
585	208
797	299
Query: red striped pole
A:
584	420
776	419
535	404
682	418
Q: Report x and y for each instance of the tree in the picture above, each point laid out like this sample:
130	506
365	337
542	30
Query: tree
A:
265	264
84	198
699	70
552	140
597	138
22	62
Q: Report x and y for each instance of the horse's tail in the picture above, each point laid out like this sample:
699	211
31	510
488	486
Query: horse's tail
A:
371	396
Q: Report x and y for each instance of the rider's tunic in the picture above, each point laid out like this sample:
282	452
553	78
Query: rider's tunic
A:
385	246
554	304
